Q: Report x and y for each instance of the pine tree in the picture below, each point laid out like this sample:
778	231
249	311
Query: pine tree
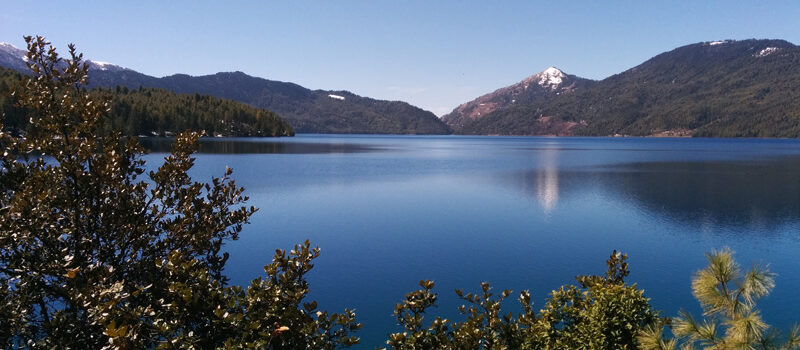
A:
728	297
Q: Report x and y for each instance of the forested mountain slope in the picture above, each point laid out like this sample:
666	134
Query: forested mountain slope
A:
748	88
149	111
308	111
312	111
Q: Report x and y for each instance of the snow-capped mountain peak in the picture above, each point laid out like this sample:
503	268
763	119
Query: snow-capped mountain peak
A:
551	77
10	48
552	71
538	87
15	58
12	57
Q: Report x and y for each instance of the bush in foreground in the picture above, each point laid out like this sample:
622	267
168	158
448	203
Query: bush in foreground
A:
602	313
92	256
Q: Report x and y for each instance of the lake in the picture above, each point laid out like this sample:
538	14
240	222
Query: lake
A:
519	212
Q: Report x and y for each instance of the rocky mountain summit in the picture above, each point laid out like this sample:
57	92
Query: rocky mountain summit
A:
538	87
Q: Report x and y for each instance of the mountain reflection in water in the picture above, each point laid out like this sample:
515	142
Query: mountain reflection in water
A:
764	193
547	181
231	145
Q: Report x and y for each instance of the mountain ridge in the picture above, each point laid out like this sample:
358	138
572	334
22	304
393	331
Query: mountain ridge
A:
308	111
729	88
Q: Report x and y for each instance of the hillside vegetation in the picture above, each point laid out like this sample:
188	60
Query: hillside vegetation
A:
747	88
308	111
541	86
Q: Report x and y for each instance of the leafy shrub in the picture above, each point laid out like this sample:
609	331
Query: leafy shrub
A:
602	313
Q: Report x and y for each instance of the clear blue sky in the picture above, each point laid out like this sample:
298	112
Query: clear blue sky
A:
433	54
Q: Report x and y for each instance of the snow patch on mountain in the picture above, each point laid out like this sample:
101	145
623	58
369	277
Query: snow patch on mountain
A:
336	97
766	51
100	65
713	43
9	46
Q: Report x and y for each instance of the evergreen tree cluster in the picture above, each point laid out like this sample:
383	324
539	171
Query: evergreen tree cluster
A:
148	110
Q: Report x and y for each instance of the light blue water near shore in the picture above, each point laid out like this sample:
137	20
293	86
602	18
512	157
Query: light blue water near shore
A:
519	212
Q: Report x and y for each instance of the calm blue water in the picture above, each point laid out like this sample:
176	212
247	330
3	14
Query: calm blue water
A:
521	213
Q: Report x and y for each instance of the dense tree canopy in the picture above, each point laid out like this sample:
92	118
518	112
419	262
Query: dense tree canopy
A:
148	111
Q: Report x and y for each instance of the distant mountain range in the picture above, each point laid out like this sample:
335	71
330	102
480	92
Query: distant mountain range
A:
307	111
748	88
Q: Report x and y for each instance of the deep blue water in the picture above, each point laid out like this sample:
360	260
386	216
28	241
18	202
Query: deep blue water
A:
519	212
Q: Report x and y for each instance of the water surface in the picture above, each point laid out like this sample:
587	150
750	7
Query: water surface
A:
521	213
